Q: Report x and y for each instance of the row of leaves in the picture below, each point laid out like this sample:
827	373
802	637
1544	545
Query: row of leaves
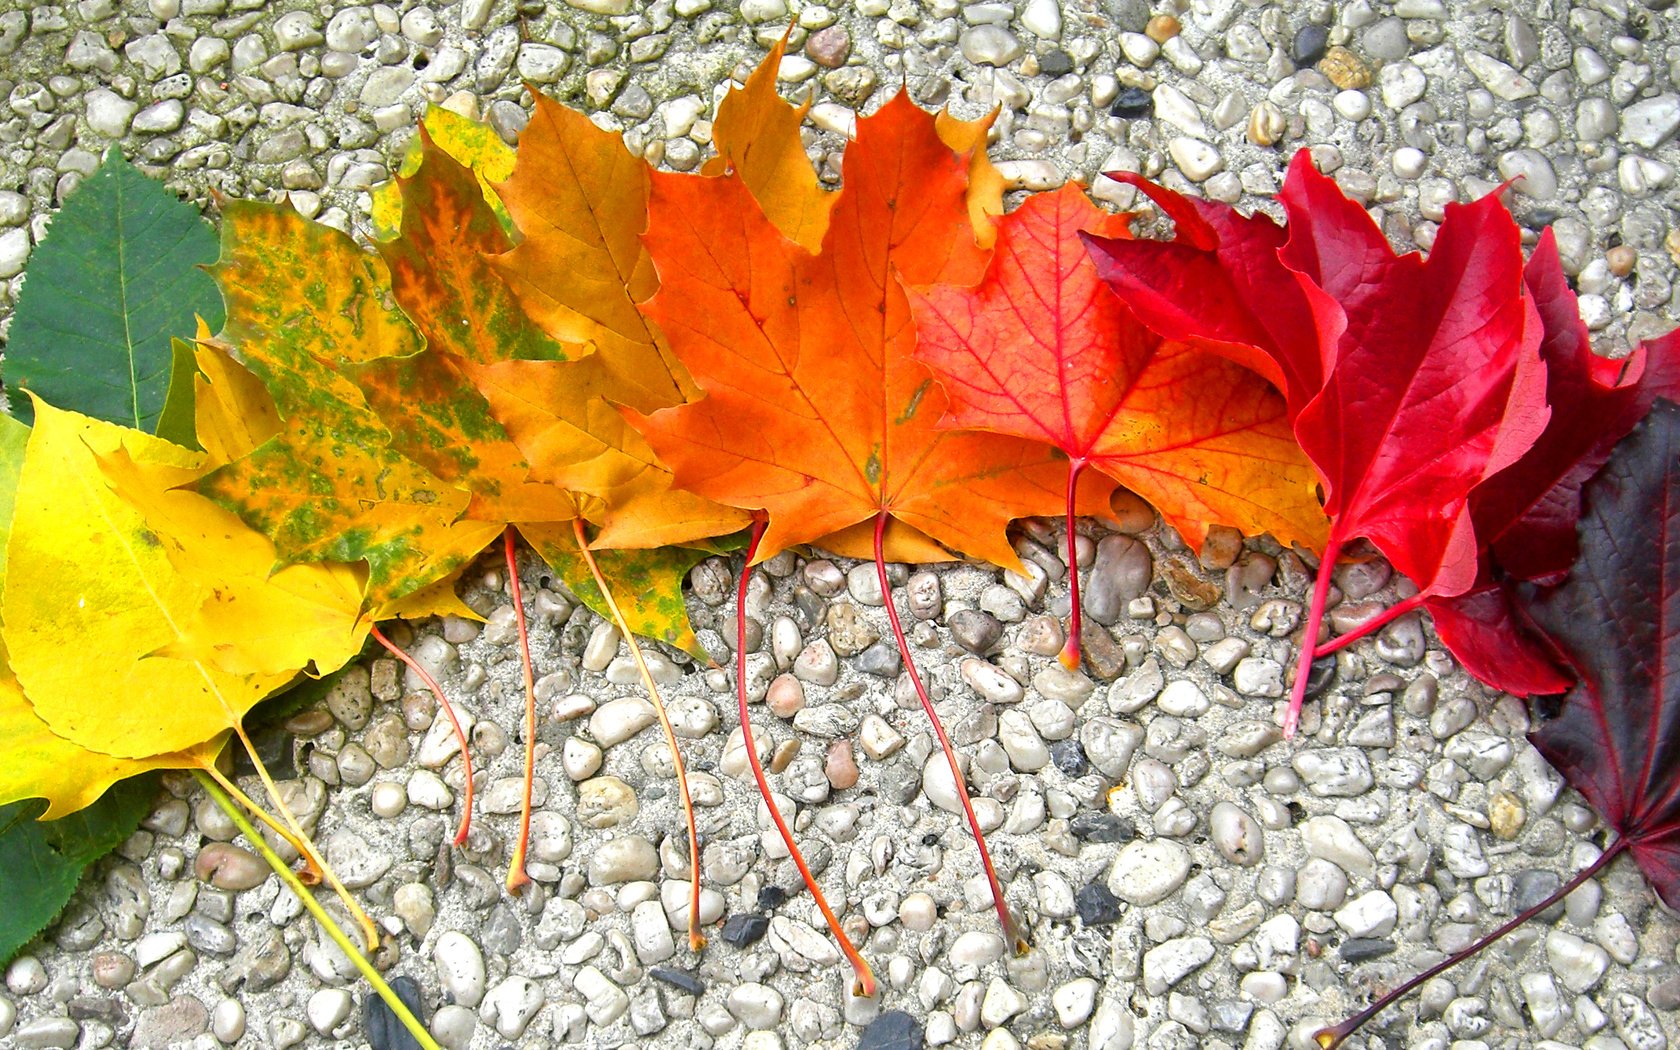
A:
899	369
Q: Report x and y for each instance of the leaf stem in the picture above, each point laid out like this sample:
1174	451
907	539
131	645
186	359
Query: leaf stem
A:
1331	1038
518	878
1070	652
339	937
449	710
864	982
1309	636
1371	626
311	856
1011	934
696	939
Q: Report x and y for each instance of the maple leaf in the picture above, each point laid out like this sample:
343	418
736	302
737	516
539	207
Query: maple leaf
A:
1433	383
756	135
304	302
814	408
579	198
1612	624
40	763
83	563
1219	286
1525	515
475	144
1041	349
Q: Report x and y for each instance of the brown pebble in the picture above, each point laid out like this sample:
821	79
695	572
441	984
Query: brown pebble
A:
829	47
1187	585
841	768
785	697
1162	28
1672	243
418	710
1345	69
1221	547
309	723
1621	259
227	867
784	755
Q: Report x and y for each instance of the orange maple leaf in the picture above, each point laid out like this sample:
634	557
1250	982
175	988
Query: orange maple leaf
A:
815	410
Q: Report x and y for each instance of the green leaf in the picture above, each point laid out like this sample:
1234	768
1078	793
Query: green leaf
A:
116	278
176	422
42	861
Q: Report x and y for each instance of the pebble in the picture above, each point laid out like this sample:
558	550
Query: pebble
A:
1168	963
1148	871
1331	838
627	859
228	867
328	1009
1650	122
460	968
1579	964
758	1006
511	1005
1236	834
1371	914
618	720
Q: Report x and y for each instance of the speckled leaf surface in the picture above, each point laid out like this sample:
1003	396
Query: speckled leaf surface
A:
303	303
472	143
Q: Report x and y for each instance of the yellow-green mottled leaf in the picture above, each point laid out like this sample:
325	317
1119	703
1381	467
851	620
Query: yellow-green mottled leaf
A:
466	314
472	143
646	584
304	304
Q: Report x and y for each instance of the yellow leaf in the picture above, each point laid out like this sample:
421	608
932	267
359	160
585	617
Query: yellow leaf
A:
757	136
41	764
232	409
91	592
302	616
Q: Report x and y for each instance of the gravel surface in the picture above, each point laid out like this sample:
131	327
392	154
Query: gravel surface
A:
1189	879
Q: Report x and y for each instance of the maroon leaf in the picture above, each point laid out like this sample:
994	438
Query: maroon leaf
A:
1526	513
1616	623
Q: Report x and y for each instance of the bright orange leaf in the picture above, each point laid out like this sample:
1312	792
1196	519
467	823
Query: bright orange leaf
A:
814	408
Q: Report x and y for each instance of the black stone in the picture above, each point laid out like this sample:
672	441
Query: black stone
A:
1360	949
1310	44
1101	827
679	979
771	897
274	747
1070	757
1097	906
380	1026
1530	887
893	1030
1321	674
744	929
1056	63
1131	103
